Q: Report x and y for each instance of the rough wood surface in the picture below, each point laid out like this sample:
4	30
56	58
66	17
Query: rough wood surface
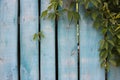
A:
8	40
29	48
47	46
67	50
89	55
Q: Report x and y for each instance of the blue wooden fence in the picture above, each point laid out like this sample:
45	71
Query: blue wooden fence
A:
21	58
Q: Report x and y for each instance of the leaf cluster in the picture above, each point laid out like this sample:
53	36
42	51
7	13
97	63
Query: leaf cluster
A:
106	17
56	9
38	36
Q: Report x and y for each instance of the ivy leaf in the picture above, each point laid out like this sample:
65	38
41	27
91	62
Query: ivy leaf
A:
118	49
41	35
117	2
55	6
70	15
96	24
94	2
104	30
102	44
111	42
117	16
103	64
44	13
86	4
50	7
99	1
94	15
107	67
51	16
106	45
113	62
76	17
38	36
35	36
118	35
117	28
104	54
60	3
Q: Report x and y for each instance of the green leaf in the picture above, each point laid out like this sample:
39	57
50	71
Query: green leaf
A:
118	49
96	24
60	3
76	17
103	54
118	35
117	2
86	4
70	15
38	36
51	16
107	67
44	13
113	62
104	30
117	28
55	6
35	36
106	45
50	7
102	64
94	2
94	15
111	42
99	1
102	44
41	35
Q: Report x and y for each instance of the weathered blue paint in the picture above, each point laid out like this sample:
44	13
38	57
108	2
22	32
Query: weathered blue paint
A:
114	73
67	50
8	40
89	56
67	46
29	48
47	46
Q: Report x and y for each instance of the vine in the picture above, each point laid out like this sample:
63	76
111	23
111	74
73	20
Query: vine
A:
106	17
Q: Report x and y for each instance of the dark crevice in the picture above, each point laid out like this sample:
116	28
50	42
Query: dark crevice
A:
18	41
56	47
78	44
39	47
78	62
106	74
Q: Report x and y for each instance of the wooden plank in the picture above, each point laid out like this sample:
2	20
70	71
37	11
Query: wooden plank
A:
67	50
89	56
47	46
29	48
114	73
8	40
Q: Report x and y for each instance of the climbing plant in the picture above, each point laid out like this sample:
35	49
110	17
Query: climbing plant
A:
106	19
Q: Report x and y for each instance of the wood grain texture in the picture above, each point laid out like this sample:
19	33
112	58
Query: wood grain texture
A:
47	46
8	40
89	56
67	49
114	73
29	48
